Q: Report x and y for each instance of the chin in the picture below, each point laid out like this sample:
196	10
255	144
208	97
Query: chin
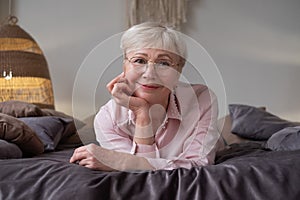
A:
154	97
148	97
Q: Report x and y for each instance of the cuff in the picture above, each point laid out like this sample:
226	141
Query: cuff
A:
160	163
144	150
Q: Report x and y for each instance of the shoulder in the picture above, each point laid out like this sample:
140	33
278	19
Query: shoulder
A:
195	96
187	90
197	87
112	111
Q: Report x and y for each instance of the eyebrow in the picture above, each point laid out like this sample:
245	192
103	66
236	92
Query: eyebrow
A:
160	55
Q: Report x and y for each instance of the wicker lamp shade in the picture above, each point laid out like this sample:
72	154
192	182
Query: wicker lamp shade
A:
23	67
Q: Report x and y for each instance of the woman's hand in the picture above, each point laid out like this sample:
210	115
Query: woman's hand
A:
98	158
90	156
122	91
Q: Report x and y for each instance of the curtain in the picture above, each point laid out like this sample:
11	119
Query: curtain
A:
170	12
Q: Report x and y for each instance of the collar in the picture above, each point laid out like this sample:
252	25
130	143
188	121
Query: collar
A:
173	110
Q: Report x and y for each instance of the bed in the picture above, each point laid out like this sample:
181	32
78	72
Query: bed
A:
260	159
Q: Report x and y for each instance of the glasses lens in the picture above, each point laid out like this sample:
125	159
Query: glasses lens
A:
140	64
138	61
166	63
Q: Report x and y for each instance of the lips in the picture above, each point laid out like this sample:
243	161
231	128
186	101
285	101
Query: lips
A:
149	86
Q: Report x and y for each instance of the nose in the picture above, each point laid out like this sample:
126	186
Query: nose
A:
150	71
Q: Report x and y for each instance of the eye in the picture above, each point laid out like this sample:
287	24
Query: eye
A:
166	63
137	60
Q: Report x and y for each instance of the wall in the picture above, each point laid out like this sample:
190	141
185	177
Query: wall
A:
255	45
67	30
4	10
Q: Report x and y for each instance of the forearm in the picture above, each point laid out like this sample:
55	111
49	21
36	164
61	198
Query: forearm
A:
121	161
132	162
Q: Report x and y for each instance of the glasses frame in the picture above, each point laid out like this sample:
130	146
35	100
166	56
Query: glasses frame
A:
154	63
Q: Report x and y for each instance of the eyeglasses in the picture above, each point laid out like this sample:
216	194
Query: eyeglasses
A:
140	64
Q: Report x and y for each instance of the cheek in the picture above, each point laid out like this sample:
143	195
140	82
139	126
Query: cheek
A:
130	75
170	81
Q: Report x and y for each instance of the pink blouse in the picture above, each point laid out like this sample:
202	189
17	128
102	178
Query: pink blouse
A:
187	138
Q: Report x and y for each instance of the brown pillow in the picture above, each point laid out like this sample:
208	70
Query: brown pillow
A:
17	132
20	109
51	112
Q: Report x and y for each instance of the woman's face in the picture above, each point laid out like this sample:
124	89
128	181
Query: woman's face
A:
153	73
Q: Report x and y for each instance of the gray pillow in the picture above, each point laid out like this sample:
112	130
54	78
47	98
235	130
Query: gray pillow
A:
9	150
254	123
50	112
87	133
287	139
50	129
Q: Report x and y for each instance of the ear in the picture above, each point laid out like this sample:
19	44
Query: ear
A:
181	63
176	80
179	70
124	66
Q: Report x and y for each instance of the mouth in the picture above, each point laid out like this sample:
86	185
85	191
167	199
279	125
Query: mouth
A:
149	86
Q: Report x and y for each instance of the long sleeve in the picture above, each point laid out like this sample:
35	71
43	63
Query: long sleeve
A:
111	136
107	133
188	138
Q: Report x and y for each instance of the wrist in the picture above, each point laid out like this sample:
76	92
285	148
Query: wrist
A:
147	141
142	118
144	134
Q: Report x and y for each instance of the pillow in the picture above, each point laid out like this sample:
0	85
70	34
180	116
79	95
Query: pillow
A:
50	112
254	123
20	109
72	141
287	139
87	133
70	138
50	129
9	150
224	127
84	135
17	132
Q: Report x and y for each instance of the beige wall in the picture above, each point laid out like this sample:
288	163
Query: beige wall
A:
3	9
255	44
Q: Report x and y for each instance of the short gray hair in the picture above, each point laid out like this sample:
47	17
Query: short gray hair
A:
153	35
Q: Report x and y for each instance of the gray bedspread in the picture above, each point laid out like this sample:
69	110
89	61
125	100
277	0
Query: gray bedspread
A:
241	172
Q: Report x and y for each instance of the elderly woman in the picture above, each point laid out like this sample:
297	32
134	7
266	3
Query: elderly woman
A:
153	121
